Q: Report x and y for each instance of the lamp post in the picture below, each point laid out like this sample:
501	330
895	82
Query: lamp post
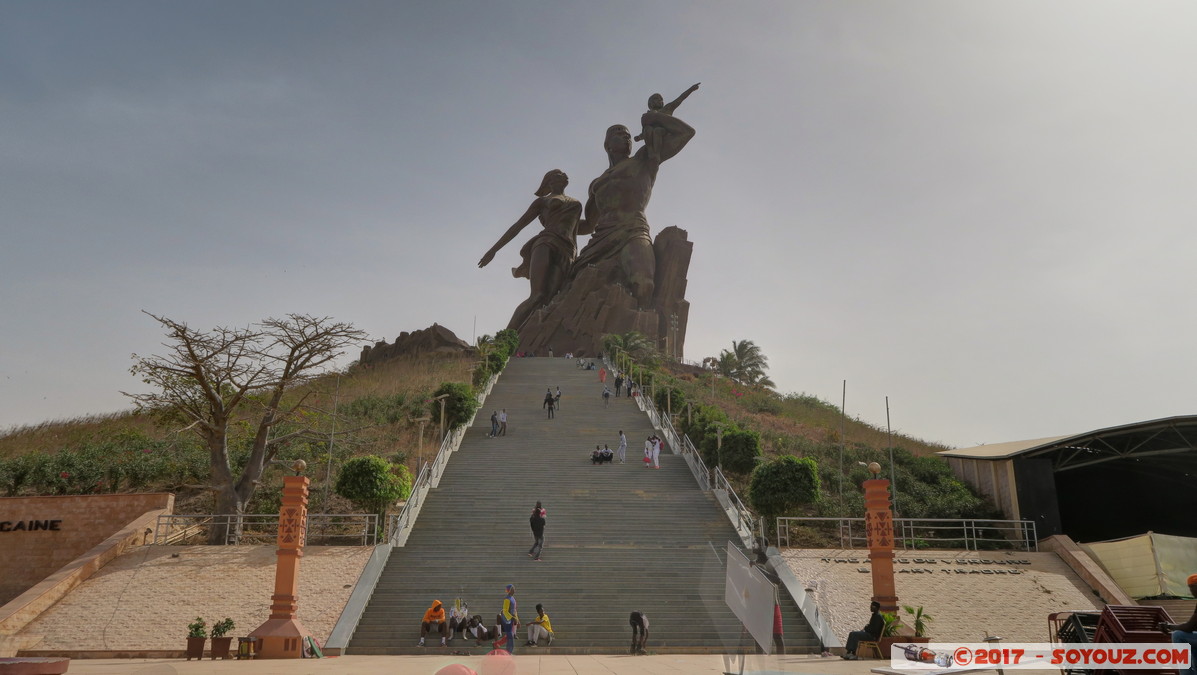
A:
442	398
420	444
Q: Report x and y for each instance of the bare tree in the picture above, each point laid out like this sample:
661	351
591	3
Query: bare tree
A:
209	380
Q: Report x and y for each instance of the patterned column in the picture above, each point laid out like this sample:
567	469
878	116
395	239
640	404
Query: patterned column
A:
879	526
282	636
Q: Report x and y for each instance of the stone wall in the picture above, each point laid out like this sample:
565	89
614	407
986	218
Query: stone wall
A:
41	534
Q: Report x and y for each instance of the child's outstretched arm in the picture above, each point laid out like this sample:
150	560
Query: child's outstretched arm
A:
668	108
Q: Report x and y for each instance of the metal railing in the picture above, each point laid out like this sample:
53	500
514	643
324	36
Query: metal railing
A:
399	524
919	533
742	517
340	529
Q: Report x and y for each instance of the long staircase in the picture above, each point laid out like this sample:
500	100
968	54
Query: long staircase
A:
620	537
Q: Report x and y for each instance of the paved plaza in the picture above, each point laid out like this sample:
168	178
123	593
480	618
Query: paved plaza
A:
523	665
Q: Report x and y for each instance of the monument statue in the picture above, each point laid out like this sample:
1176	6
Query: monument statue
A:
622	280
548	255
617	199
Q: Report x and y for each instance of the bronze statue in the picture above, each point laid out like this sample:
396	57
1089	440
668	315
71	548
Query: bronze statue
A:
617	199
656	102
548	255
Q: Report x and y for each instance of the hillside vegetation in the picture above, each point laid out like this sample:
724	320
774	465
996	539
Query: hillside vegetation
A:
759	426
382	410
362	411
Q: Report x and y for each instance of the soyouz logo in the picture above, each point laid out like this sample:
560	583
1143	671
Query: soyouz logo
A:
1040	655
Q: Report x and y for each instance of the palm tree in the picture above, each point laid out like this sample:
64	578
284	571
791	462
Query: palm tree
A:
745	363
634	344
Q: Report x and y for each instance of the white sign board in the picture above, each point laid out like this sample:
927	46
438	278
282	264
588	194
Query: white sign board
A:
750	596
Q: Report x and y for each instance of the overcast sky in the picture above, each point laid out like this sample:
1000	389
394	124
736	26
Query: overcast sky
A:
983	210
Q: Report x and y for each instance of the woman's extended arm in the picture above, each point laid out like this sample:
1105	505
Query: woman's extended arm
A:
528	217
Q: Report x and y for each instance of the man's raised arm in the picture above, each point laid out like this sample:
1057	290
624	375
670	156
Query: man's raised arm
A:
677	133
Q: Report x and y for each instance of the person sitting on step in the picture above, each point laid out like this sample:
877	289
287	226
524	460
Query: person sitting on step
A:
434	620
540	627
459	616
475	629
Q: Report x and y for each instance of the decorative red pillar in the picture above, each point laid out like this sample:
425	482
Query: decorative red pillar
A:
282	636
879	527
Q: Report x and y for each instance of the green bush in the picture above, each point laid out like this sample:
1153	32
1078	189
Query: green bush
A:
459	406
669	397
378	409
740	450
780	486
17	472
370	484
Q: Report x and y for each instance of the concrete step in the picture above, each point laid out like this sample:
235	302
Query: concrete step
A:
618	538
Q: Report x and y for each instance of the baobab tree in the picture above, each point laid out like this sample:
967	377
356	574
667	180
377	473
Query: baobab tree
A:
209	380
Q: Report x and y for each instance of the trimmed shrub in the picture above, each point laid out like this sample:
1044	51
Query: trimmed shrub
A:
740	450
370	484
780	486
459	406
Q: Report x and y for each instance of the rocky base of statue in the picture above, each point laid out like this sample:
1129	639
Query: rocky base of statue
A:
591	305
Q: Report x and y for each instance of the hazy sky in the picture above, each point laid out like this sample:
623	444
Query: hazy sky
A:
983	210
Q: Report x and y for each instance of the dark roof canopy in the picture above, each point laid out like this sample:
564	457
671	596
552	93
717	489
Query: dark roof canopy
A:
1167	436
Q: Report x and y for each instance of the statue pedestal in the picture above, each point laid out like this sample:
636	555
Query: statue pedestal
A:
593	304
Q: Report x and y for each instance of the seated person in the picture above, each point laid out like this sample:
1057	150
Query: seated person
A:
606	455
871	632
596	457
540	627
459	616
475	629
434	620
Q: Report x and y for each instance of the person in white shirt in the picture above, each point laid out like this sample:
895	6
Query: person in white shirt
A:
459	616
623	447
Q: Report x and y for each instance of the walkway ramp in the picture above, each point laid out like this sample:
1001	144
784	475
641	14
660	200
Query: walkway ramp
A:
620	537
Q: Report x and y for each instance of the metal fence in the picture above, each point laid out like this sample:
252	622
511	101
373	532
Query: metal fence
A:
912	533
321	529
741	516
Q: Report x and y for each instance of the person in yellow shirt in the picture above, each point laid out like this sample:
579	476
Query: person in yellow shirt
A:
434	620
540	627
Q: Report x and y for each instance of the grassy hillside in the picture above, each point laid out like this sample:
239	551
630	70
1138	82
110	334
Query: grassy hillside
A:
373	411
364	410
804	426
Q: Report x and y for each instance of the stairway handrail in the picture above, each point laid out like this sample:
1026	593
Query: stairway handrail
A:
428	478
682	445
744	520
399	525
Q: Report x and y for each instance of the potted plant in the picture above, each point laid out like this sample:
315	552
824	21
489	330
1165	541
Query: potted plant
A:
919	619
197	635
220	643
895	631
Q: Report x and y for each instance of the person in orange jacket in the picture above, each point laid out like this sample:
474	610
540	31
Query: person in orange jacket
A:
434	620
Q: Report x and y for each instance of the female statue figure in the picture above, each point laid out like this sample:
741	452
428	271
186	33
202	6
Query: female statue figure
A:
547	256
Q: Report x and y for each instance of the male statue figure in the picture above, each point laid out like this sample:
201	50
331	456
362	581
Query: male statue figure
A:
616	201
